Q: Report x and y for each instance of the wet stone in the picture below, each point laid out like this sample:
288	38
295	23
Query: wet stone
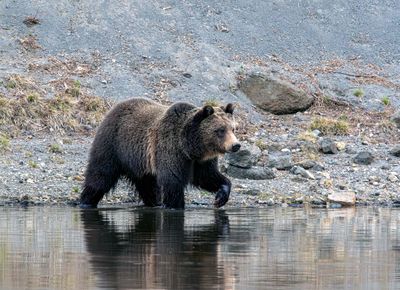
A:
345	198
363	157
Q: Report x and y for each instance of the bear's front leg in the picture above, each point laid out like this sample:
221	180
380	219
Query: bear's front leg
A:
207	176
222	195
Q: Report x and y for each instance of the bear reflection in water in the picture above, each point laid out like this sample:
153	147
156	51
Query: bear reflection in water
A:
155	248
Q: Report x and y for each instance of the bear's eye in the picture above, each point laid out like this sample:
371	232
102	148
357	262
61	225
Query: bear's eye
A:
220	132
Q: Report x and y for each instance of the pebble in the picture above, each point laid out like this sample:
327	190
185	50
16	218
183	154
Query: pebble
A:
363	157
392	177
297	170
280	161
396	119
395	151
316	133
307	164
340	146
328	146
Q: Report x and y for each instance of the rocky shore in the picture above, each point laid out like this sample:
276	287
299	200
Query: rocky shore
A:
271	169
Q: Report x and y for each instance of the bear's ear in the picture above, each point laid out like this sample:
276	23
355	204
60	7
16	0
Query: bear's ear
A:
208	110
229	108
203	113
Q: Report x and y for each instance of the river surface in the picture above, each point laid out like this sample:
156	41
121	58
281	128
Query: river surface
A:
136	248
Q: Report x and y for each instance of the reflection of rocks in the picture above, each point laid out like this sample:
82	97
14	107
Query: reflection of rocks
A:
346	198
256	173
275	95
363	157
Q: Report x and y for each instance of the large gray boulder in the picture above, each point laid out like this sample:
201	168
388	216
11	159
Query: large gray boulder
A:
275	95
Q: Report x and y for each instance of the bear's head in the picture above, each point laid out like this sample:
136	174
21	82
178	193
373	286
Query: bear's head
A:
212	132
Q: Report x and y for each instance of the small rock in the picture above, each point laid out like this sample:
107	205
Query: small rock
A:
345	198
253	192
307	164
328	146
318	167
395	151
246	157
280	161
242	159
396	119
254	173
385	167
341	146
392	177
373	179
350	150
363	157
316	133
301	171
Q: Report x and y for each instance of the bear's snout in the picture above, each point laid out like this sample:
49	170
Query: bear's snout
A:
235	147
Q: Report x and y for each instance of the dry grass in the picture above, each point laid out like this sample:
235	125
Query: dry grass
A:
212	103
330	126
4	142
61	114
24	109
307	136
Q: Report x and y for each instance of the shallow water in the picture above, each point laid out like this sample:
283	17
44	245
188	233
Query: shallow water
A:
274	248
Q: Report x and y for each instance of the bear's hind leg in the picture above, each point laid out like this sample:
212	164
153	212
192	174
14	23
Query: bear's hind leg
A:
173	194
148	190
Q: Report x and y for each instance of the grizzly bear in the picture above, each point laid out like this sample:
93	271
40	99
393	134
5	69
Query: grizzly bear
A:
160	150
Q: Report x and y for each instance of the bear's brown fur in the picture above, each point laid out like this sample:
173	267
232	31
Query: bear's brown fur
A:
160	149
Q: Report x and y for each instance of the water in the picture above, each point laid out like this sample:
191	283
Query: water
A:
274	248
